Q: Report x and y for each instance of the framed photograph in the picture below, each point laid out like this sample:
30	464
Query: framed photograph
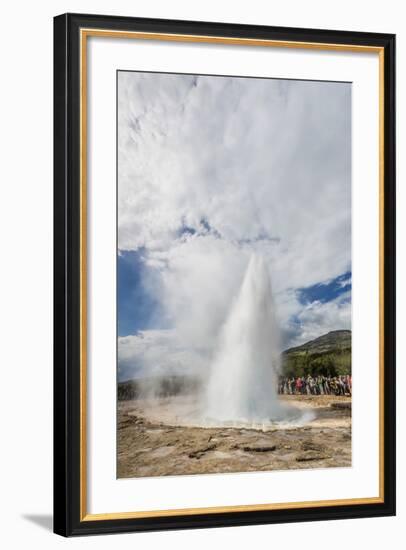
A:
224	274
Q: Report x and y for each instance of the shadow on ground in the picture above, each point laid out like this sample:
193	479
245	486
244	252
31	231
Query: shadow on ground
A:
42	520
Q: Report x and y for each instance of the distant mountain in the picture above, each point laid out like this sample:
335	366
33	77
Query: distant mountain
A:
327	342
327	354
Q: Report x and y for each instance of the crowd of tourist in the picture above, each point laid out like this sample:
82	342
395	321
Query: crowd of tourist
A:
315	385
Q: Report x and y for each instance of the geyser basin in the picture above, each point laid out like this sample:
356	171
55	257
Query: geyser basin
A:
243	376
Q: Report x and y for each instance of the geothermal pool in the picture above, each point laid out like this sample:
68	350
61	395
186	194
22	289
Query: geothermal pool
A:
182	411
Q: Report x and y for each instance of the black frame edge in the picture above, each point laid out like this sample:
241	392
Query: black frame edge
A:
212	28
67	270
61	475
390	274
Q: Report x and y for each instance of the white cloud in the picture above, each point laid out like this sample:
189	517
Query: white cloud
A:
246	165
318	317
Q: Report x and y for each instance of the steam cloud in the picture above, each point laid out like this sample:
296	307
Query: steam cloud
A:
212	170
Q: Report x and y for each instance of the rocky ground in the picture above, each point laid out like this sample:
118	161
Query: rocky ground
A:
151	442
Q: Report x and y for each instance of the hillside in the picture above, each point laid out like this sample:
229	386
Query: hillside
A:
329	354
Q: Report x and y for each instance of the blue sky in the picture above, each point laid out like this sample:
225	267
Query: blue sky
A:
326	292
135	305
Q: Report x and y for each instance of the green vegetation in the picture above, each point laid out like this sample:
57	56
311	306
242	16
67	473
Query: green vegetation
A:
328	355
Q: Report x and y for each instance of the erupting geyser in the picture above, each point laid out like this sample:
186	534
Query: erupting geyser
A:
243	378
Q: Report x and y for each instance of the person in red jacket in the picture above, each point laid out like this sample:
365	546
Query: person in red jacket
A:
298	385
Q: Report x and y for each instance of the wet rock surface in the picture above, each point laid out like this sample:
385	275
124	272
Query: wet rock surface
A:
151	448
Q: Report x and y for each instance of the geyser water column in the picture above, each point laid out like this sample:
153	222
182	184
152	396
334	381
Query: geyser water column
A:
243	377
